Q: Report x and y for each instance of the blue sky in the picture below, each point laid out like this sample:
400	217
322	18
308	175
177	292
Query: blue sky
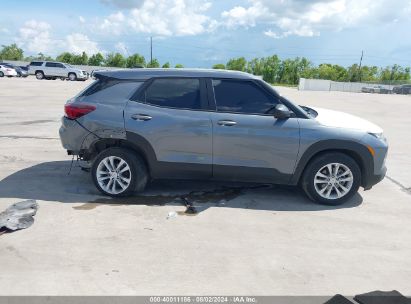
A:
200	33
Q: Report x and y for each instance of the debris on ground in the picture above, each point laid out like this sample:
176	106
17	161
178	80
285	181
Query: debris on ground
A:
18	216
171	214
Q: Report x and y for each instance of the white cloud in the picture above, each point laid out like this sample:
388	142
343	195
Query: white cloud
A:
160	17
34	36
78	43
123	4
247	17
122	48
114	23
81	19
307	18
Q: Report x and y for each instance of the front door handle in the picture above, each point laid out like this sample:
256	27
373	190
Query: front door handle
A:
143	117
227	123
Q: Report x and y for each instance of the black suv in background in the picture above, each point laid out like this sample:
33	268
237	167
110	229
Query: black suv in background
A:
404	89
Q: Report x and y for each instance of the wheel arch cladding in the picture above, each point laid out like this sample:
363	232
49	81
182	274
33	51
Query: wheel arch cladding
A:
134	142
353	149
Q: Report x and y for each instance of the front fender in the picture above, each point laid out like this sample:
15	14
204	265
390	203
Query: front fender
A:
354	149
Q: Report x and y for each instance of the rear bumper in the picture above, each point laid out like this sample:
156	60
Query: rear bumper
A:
72	135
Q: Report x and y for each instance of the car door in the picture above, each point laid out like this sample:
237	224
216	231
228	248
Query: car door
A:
50	69
168	117
249	144
61	70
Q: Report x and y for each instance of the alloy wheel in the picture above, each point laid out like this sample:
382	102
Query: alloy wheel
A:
333	181
113	175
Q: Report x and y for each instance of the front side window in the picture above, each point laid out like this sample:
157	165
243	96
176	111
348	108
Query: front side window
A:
108	91
180	93
238	96
60	65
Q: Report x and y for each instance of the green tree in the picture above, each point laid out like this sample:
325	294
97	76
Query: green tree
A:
39	56
179	66
136	61
115	60
11	52
80	59
153	64
166	65
268	67
66	57
255	66
394	73
237	64
219	66
96	59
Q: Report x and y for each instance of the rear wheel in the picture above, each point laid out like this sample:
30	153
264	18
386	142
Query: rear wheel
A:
331	179
119	172
39	75
1	74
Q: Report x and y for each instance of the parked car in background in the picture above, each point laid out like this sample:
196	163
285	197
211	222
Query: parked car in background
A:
137	125
24	70
403	89
20	71
54	70
376	89
6	70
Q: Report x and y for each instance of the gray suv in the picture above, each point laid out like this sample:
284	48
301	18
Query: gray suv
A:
137	125
54	70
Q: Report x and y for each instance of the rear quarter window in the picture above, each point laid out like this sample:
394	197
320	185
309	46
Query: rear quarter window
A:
35	63
108	91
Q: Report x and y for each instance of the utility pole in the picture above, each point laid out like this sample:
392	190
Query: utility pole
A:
151	50
362	55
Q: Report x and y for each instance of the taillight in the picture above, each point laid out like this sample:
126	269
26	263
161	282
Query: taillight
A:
74	111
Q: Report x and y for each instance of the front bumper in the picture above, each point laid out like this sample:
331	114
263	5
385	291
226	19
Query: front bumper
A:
375	179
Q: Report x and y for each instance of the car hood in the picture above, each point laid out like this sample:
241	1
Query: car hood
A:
339	119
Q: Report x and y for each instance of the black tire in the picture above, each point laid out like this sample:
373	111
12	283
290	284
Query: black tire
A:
1	74
72	76
39	75
139	173
307	182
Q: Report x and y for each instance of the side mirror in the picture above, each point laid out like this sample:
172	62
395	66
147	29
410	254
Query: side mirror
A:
282	112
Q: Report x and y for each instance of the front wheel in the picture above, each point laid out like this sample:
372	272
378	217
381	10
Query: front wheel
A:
1	74
119	172
331	179
72	77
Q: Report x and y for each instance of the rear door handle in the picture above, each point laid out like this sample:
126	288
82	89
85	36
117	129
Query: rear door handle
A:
143	117
227	123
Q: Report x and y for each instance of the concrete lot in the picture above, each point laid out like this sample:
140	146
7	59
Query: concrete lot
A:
263	241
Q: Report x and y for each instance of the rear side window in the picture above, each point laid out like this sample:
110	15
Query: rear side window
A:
180	93
36	63
242	97
108	91
51	64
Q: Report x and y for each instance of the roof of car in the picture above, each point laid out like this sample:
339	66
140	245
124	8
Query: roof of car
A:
144	74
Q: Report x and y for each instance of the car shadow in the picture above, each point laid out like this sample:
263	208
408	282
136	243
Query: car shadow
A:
55	182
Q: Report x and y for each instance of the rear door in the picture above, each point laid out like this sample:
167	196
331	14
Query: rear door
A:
248	142
169	116
50	69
